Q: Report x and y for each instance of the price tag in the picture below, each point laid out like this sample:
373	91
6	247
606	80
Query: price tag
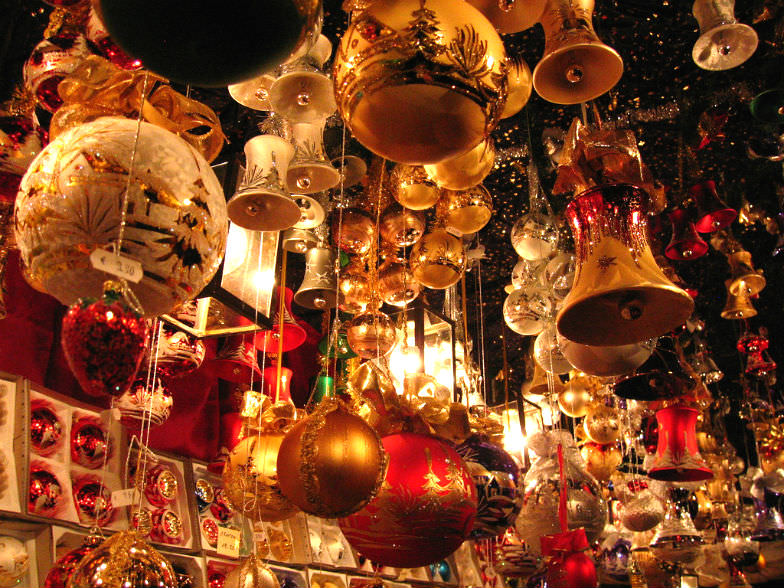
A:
124	497
117	265
229	542
259	537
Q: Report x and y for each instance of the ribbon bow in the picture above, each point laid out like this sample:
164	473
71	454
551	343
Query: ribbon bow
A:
98	88
259	413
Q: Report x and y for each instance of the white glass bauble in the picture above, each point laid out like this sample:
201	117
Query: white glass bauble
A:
534	236
525	311
548	354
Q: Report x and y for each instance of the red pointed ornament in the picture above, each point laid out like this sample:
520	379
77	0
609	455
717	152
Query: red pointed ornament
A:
104	341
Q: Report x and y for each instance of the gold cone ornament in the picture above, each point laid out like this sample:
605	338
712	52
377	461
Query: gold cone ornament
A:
724	43
510	16
124	560
413	188
576	66
251	573
465	211
420	81
466	170
319	286
744	279
620	296
738	306
438	259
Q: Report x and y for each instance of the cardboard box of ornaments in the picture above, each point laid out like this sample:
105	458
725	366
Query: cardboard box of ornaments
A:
60	456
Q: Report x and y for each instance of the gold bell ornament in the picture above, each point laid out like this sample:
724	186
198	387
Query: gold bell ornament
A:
319	286
540	387
465	211
576	66
724	43
420	81
620	296
521	85
438	259
738	306
301	91
466	170
400	226
312	209
413	188
744	278
309	170
251	573
510	16
396	282
262	201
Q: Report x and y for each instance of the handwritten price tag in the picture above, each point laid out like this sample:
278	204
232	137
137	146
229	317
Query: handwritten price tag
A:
117	265
229	542
124	497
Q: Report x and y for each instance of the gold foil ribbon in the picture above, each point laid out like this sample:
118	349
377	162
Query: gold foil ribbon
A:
98	88
260	414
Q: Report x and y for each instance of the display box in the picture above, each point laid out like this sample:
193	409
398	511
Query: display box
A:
325	579
290	577
36	540
194	567
328	546
12	457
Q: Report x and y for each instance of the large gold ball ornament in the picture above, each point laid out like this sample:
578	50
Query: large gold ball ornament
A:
467	169
413	188
602	423
467	211
124	560
353	230
574	400
521	84
601	461
371	334
400	226
420	81
251	573
70	203
250	479
355	291
438	260
396	283
332	463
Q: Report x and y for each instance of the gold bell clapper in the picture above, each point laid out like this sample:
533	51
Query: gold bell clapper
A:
620	295
723	43
464	171
576	66
262	201
309	170
738	305
319	286
744	278
510	16
420	81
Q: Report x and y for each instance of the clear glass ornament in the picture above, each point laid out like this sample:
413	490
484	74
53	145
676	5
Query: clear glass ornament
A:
548	354
526	311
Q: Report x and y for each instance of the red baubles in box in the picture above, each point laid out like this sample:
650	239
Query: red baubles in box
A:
677	454
424	510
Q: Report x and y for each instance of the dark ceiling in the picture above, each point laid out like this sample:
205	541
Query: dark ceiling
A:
663	96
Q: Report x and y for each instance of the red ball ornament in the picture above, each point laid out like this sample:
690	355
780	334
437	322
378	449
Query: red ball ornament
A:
93	502
216	580
63	568
97	34
424	510
104	342
568	565
45	493
46	430
89	445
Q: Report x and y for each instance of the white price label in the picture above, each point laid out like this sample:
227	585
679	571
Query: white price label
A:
117	265
259	537
229	542
124	497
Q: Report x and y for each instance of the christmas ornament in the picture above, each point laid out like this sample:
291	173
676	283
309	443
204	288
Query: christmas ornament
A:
353	230
176	353
601	460
575	399
521	85
93	501
371	334
46	429
251	573
642	511
606	360
332	463
744	278
70	205
438	259
768	106
64	567
396	283
712	213
205	494
51	61
548	354
576	65
513	558
14	560
413	188
466	171
160	486
534	235
250	479
424	510
218	47
437	73
465	211
400	226
104	342
293	334
724	43
495	475
44	495
142	403
319	285
686	243
220	507
619	296
124	559
528	274
166	526
677	539
602	423
568	566
97	34
677	455
309	170
355	289
236	361
21	139
89	443
559	274
526	311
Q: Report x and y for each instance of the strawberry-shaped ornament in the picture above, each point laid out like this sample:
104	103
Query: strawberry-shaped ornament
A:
104	340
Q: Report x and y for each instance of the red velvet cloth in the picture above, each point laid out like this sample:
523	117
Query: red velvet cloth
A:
30	347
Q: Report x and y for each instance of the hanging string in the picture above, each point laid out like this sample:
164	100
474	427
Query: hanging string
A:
482	328
281	311
463	305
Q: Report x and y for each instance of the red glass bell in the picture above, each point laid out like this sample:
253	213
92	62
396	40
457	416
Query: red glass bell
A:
293	335
686	242
270	379
677	457
712	212
759	364
236	361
